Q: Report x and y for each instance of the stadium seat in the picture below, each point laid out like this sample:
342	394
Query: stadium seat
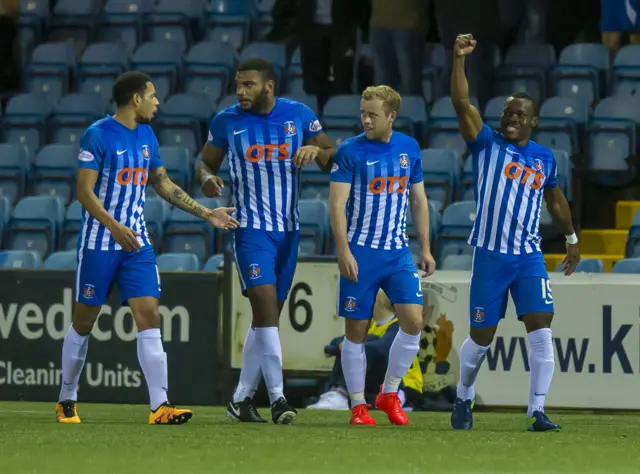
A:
178	262
433	65
73	22
493	111
162	60
586	265
71	226
209	67
6	209
311	191
581	72
524	70
19	259
561	123
341	117
14	169
633	238
35	224
73	114
627	265
229	21
613	133
565	171
314	226
122	22
625	74
455	228
457	262
228	100
25	121
186	233
64	260
307	99
183	121
275	53
443	126
294	76
412	118
441	168
100	65
50	70
170	20
465	189
434	227
55	172
176	162
156	213
215	263
34	14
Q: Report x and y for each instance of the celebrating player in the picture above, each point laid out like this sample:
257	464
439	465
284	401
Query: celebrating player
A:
118	155
511	176
375	176
267	140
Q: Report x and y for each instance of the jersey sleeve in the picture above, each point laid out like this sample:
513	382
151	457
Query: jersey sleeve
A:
482	141
342	170
552	179
310	123
218	132
155	161
417	174
92	151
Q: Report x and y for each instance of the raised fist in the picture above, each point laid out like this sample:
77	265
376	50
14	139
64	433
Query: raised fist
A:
465	44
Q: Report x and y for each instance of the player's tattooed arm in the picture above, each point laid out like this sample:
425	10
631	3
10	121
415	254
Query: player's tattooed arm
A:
468	116
170	192
324	158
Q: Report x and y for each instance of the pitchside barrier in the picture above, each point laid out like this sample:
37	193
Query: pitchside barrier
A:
596	337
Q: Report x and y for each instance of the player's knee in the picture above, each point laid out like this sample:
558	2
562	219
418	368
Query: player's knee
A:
145	312
264	305
356	330
535	321
483	336
409	318
84	317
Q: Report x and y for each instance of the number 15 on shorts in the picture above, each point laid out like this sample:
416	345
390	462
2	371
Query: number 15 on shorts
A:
547	295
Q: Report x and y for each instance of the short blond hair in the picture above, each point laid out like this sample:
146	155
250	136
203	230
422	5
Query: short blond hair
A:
391	100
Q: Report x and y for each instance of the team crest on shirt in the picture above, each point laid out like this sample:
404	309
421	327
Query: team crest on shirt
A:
88	291
538	165
478	315
404	160
254	271
350	304
289	128
145	152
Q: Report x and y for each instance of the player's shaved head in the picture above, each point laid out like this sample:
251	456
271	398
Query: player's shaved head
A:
127	85
519	118
391	100
527	97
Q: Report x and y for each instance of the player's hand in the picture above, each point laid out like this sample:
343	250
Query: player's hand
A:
127	238
212	186
572	259
465	44
348	266
220	218
427	264
306	155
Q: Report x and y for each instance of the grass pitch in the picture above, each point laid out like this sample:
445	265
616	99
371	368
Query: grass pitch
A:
115	439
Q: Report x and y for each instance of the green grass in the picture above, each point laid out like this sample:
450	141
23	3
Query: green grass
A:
115	439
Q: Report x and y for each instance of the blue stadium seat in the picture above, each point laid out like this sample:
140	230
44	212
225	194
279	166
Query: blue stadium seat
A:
50	70
25	121
228	100
100	65
314	191
122	22
35	224
613	133
156	213
565	172
63	260
73	114
209	67
457	262
307	99
524	70
19	259
314	226
465	189
625	77
434	227
71	226
433	65
178	262
443	126
73	22
412	118
294	76
633	238
176	162
441	168
55	172
561	123
34	14
341	117
6	209
162	60
14	169
275	53
456	225
627	265
171	21
493	111
586	265
215	263
229	21
581	72
183	121
186	233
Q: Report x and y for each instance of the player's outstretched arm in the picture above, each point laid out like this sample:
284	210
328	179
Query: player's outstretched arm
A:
468	116
207	167
420	213
173	194
319	149
558	207
338	197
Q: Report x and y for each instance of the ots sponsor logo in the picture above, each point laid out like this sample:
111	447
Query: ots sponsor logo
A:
257	153
526	175
390	184
135	176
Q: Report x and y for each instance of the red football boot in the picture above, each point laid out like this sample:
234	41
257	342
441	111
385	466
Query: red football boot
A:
392	406
360	415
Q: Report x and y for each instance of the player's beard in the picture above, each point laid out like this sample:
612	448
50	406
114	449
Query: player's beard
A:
260	102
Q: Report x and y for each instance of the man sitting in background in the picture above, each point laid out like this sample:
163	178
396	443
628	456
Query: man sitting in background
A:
382	331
